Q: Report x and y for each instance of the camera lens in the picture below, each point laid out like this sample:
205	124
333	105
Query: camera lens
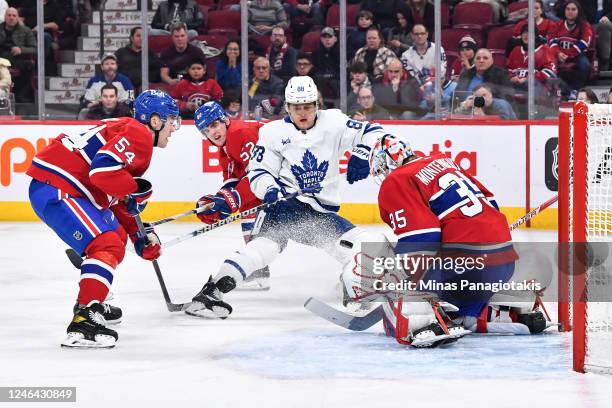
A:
479	102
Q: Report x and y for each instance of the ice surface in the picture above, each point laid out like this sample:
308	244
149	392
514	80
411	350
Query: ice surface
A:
270	353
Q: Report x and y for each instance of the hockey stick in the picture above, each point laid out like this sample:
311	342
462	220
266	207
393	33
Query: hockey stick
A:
360	323
181	215
172	307
218	224
533	212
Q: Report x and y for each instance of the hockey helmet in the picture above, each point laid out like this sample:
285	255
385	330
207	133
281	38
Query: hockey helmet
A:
301	89
207	114
388	154
156	102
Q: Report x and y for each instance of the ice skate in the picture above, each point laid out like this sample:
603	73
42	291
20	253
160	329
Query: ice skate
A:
208	303
88	329
112	314
258	280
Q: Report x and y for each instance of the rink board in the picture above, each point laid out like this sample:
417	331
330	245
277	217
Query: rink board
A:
510	157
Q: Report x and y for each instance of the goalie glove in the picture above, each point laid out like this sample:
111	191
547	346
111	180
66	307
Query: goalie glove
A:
148	246
358	166
225	203
137	201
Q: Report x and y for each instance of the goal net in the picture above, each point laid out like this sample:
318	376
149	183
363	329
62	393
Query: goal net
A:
585	234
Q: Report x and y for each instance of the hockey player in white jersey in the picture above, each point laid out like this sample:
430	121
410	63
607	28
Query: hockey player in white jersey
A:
295	170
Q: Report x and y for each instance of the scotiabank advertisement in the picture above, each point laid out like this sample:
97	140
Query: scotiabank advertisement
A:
508	157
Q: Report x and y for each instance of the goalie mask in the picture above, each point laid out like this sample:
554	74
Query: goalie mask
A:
388	154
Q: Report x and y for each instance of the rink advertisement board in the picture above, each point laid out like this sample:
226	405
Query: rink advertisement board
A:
508	157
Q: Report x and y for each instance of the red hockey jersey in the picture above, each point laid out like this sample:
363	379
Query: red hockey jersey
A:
518	64
198	92
431	200
570	42
99	164
234	158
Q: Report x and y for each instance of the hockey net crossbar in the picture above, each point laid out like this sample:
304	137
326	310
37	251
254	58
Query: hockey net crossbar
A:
585	233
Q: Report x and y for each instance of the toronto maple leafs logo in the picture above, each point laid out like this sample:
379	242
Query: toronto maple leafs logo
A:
311	173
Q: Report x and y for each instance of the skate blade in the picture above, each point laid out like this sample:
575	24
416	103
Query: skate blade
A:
113	322
198	309
77	340
440	340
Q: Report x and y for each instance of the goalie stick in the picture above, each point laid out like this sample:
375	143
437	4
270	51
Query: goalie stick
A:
360	323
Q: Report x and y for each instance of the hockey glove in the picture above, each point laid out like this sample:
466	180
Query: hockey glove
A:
137	201
225	202
147	247
358	166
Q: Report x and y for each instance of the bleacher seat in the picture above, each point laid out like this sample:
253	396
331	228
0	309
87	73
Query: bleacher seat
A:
333	15
446	16
311	41
209	3
451	37
517	5
263	40
158	43
217	41
497	37
451	56
223	22
480	14
499	58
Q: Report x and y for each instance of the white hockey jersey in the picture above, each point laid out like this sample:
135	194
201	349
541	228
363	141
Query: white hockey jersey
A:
422	66
296	160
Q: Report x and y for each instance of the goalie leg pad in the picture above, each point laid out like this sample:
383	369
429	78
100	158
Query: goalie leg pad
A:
255	255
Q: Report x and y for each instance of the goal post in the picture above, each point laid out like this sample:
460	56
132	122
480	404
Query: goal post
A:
585	233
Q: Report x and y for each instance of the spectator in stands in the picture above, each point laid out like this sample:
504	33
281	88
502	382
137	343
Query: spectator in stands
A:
264	15
419	59
266	90
543	26
129	60
586	95
569	40
171	12
398	93
498	6
375	55
359	79
610	96
589	9
281	55
384	12
518	66
109	106
421	12
109	75
304	66
399	38
428	99
194	89
175	59
357	35
484	71
326	60
368	109
5	79
604	35
232	103
18	45
467	52
482	102
229	70
303	15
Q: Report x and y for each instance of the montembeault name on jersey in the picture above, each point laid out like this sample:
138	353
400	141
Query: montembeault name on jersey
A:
428	173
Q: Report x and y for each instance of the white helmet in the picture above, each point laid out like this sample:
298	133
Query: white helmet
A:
301	89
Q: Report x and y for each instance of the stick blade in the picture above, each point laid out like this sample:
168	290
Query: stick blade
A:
74	258
340	318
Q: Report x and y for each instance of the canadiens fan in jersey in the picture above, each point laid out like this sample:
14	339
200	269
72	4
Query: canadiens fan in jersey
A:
236	141
88	189
194	89
436	208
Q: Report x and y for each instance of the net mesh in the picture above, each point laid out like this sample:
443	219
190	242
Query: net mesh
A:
599	230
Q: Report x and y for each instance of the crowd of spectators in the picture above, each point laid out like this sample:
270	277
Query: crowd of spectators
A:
390	56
